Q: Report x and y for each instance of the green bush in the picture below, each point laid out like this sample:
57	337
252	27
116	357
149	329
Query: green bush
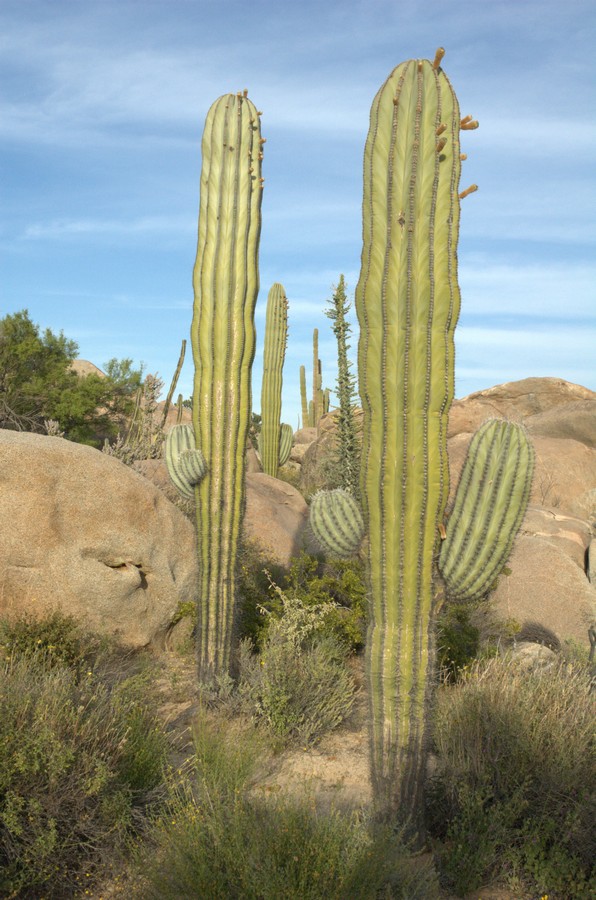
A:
76	759
56	639
298	684
457	641
515	789
339	581
218	840
255	593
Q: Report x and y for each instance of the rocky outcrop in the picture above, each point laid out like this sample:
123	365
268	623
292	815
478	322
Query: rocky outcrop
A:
519	401
82	532
275	518
545	580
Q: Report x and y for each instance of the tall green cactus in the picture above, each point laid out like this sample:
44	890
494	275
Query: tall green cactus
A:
225	284
276	333
407	301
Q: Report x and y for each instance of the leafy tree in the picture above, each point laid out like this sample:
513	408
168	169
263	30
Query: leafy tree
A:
38	383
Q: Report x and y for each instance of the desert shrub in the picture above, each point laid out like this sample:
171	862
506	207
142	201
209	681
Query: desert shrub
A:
339	584
255	593
457	641
219	840
57	638
339	581
298	684
514	794
76	760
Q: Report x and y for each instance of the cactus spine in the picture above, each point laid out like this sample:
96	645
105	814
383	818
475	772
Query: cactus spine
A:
225	284
276	333
490	503
407	301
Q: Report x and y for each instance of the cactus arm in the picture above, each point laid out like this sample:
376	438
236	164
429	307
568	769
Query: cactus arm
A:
285	443
336	522
407	301
225	284
185	464
490	503
276	331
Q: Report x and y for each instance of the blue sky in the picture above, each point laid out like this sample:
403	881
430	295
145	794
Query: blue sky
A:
102	106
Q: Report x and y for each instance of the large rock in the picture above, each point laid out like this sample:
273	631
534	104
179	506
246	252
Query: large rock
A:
275	518
82	532
517	401
276	514
546	585
572	421
571	535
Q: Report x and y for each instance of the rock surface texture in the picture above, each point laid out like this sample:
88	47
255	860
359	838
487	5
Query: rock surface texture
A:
276	514
82	532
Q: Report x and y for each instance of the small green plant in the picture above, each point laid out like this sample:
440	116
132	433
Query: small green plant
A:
56	639
311	580
514	792
341	581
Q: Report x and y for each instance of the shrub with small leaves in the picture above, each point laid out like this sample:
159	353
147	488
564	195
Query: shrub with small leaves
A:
514	791
77	758
298	684
219	839
57	638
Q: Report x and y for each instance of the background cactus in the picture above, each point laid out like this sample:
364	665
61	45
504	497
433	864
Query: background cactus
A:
303	398
407	301
317	380
276	332
491	500
226	285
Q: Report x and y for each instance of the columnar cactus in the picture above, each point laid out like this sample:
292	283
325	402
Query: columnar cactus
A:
317	381
490	503
276	332
225	284
407	301
303	398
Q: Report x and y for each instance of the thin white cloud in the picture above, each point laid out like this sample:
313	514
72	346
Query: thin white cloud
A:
69	228
562	290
